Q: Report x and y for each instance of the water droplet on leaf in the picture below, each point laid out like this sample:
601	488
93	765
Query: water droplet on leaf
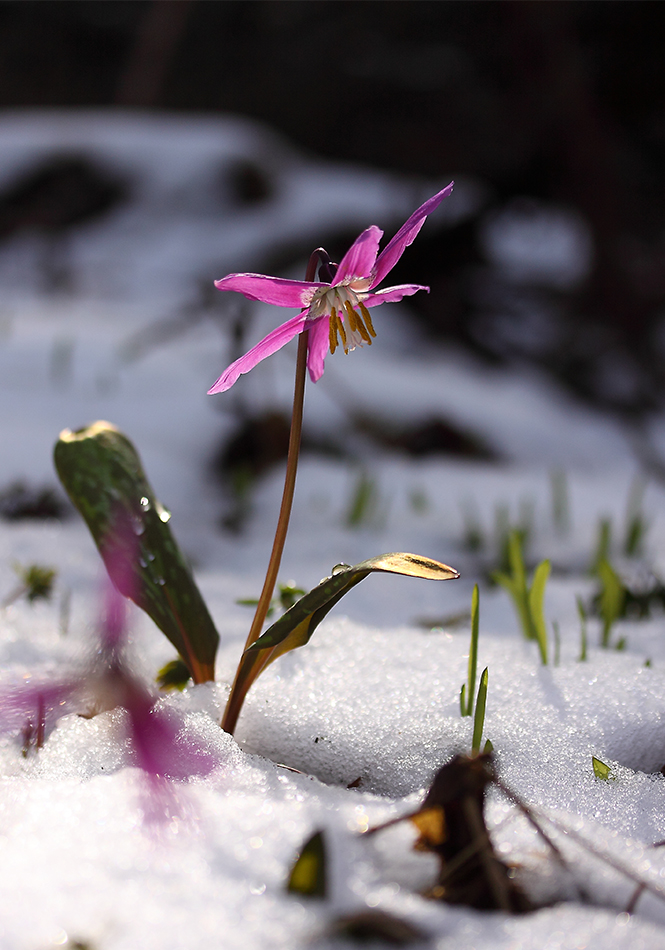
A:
340	568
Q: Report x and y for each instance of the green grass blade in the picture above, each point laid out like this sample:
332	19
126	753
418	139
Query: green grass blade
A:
603	544
479	716
581	610
560	502
515	584
612	599
536	604
473	650
516	560
636	524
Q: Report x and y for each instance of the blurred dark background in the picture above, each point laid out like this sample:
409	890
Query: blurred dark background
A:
545	105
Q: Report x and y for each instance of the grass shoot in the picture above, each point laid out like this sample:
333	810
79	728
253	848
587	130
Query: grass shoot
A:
581	610
468	688
528	600
636	524
611	600
479	714
602	771
560	502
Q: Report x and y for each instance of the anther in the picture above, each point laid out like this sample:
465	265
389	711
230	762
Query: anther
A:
332	332
368	319
353	316
356	323
340	326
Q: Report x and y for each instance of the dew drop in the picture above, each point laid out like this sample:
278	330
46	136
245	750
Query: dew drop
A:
145	503
340	568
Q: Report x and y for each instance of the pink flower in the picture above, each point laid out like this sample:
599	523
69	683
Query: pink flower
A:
155	734
332	311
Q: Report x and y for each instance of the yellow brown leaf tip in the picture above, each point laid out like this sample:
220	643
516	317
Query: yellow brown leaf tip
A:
87	432
414	565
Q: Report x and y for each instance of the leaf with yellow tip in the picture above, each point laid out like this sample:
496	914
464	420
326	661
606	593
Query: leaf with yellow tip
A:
295	627
102	473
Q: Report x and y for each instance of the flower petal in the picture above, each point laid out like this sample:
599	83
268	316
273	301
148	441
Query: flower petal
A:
274	290
318	345
274	341
405	236
392	294
360	257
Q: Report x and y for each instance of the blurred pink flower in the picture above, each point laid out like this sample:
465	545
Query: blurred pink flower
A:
155	734
335	310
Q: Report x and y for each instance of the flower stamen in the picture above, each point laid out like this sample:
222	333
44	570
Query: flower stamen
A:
339	327
356	323
332	332
368	319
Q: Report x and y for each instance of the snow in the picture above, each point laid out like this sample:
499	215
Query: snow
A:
89	851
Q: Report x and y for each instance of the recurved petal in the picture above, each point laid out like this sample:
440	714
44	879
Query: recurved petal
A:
318	345
406	235
273	290
360	257
274	341
392	294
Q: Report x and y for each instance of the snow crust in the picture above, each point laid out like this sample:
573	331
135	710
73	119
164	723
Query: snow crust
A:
89	851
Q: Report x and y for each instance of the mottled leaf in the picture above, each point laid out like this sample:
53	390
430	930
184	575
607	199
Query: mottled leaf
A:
297	625
102	473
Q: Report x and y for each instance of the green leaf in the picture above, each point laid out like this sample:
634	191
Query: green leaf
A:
581	610
309	874
473	650
636	524
36	582
536	599
102	473
174	675
364	506
603	544
515	583
557	642
468	692
602	771
296	626
479	716
612	598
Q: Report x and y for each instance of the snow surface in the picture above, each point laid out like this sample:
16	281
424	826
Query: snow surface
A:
86	850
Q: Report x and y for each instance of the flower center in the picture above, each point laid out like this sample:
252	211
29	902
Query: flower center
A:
349	317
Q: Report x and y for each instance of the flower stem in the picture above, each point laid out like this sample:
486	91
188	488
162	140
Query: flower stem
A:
250	666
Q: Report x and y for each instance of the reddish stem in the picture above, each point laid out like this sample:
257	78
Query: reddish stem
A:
247	672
